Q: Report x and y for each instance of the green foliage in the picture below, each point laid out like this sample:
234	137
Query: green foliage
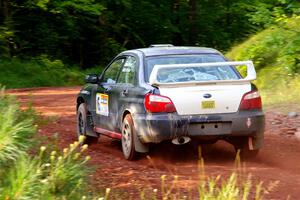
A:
5	37
42	71
45	175
15	131
66	174
275	52
266	13
22	181
89	33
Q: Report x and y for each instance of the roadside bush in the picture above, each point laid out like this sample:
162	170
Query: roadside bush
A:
15	132
41	71
65	174
49	175
41	175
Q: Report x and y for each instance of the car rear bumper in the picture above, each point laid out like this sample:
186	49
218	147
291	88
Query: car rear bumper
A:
154	128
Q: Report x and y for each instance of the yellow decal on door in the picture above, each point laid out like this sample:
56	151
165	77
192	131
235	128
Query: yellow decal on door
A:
102	104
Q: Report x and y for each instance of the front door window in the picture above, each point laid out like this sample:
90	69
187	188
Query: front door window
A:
128	72
111	74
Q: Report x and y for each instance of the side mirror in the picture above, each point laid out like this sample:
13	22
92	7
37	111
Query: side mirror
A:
91	78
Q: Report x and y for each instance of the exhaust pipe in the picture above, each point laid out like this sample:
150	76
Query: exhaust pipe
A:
181	140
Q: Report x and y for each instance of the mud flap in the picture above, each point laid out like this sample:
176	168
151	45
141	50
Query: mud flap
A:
256	142
90	132
90	128
140	147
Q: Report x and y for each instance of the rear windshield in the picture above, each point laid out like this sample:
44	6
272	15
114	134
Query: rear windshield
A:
182	74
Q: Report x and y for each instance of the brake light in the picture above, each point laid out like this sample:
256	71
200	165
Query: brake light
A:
251	101
156	104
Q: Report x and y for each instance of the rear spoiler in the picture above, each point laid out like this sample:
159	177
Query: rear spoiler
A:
251	73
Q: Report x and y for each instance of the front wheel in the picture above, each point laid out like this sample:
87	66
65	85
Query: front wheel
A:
83	123
128	132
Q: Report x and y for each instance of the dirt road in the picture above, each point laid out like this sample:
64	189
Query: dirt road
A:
278	161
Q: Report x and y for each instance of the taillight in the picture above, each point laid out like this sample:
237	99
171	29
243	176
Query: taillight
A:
156	103
251	101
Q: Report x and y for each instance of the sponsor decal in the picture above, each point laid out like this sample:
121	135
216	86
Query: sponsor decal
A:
102	107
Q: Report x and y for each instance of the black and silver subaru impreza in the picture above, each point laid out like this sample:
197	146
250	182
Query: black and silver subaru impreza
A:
172	93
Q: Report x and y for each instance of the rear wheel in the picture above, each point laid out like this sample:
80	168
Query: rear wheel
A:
83	124
128	132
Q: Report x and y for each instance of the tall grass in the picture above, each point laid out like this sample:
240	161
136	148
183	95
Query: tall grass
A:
42	175
48	175
66	175
236	186
15	131
22	181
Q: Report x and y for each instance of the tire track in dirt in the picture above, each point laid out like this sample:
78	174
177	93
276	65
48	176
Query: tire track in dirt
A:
278	160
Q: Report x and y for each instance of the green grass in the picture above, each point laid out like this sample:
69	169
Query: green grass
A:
276	55
38	72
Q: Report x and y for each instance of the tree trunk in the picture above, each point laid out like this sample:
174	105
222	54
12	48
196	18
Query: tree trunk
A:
81	56
4	8
5	19
193	29
177	38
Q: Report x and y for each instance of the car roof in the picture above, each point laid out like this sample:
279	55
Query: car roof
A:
156	51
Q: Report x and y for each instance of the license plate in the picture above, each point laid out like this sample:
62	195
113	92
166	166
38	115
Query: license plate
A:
208	104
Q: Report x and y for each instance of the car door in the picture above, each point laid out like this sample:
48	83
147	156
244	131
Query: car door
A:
120	94
105	94
125	90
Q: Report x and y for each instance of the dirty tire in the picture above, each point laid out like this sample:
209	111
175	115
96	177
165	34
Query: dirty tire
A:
82	124
128	132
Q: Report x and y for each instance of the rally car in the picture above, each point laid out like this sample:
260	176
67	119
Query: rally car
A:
164	92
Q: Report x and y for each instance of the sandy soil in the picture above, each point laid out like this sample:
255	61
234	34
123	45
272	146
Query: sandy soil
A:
279	160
